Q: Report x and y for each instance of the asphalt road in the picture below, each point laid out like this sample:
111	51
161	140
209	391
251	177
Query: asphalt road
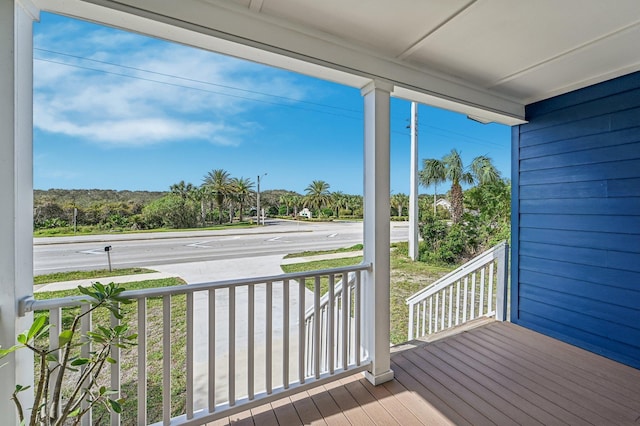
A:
130	250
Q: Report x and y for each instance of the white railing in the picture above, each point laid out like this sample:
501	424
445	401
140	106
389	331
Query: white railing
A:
476	289
240	343
330	324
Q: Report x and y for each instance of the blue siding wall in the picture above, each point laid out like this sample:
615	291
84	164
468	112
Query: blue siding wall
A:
576	224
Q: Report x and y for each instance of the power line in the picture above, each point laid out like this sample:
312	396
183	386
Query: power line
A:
192	80
196	88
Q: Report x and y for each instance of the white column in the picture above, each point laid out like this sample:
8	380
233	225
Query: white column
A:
16	192
413	185
375	289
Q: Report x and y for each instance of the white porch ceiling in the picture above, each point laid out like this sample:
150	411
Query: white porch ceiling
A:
486	58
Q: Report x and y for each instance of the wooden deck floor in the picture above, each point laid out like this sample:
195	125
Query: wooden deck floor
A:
496	374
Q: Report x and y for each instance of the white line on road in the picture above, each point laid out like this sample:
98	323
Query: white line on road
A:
332	235
93	251
274	239
200	244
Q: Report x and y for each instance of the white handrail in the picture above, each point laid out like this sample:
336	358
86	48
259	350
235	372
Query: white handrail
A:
249	383
475	289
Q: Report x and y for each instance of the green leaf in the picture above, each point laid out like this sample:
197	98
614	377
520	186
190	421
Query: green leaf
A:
20	388
36	327
5	352
74	413
111	360
22	338
115	406
65	337
103	389
80	361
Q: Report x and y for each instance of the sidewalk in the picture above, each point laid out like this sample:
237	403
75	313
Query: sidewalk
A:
201	271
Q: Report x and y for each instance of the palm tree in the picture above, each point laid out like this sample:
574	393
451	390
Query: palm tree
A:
399	201
217	183
317	194
184	190
286	200
241	188
450	168
339	200
200	195
432	173
296	201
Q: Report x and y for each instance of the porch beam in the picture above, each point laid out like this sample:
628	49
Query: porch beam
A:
375	291
231	29
16	192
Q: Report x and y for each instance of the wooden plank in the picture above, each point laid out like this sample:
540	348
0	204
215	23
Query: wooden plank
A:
420	407
599	140
603	240
241	419
542	399
285	412
603	223
327	407
589	189
498	407
459	402
349	406
597	171
601	370
550	373
395	405
583	206
306	409
264	416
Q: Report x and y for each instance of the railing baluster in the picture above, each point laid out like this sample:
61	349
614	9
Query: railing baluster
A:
55	321
430	314
450	305
331	336
85	352
412	316
442	314
142	361
473	295
358	308
481	304
232	346
189	350
457	302
435	328
166	359
424	318
316	327
465	302
250	340
490	296
115	373
345	320
285	334
212	350
301	330
269	337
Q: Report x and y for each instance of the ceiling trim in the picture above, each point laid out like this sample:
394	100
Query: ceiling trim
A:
420	42
562	55
242	33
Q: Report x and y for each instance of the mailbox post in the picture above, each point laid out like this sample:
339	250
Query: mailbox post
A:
108	250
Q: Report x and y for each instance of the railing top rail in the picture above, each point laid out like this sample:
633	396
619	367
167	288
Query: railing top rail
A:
30	304
458	273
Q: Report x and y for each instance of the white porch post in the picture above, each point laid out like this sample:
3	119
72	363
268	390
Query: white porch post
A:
413	185
375	291
16	192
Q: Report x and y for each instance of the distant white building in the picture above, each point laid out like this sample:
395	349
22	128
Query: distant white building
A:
305	212
442	202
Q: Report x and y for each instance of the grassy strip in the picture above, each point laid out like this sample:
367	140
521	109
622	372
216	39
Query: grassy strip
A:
128	361
84	275
67	231
320	264
356	247
407	277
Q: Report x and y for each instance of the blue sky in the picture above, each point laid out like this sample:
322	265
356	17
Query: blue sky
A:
116	110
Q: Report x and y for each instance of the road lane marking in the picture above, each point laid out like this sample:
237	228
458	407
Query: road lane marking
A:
93	251
332	235
200	244
274	239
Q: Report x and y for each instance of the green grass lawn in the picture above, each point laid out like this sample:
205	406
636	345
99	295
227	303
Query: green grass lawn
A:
407	277
128	361
57	277
67	231
356	247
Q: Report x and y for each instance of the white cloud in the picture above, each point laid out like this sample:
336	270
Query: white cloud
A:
121	106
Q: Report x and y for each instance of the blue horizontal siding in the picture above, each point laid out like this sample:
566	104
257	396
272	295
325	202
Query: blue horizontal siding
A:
577	172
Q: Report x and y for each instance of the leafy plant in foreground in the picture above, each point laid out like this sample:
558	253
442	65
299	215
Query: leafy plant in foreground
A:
55	365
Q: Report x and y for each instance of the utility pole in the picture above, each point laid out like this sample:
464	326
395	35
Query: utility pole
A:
413	186
258	202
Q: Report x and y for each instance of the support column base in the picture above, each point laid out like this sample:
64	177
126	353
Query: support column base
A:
387	376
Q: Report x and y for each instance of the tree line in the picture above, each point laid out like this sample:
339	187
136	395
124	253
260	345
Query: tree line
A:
471	221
